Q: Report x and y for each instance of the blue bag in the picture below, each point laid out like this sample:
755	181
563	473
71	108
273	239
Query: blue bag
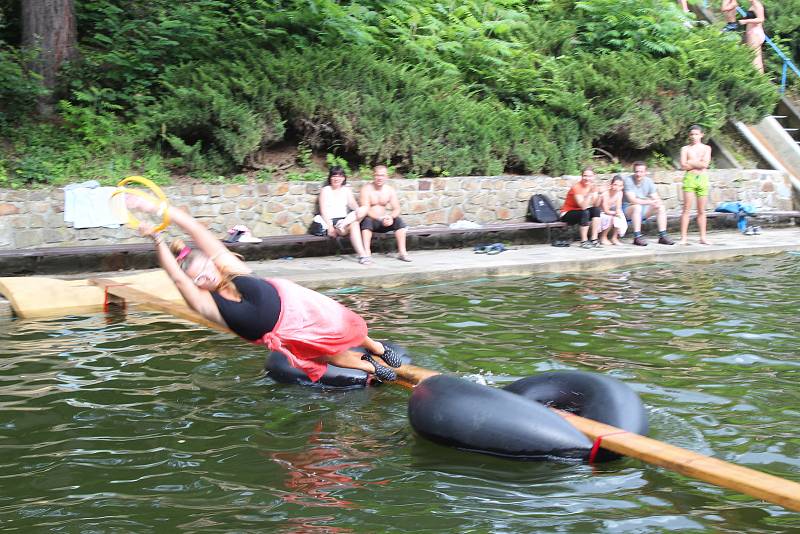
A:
735	207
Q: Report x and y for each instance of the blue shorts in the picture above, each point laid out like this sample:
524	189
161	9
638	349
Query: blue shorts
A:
645	212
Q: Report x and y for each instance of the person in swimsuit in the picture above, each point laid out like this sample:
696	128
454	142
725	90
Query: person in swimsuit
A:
383	212
341	213
695	159
728	8
310	329
754	35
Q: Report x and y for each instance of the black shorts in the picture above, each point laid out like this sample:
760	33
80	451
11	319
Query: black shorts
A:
376	225
582	217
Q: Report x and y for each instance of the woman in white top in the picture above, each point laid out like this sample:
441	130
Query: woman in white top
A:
612	219
340	211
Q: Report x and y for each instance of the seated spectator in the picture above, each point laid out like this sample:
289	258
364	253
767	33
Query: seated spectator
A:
579	208
382	212
640	202
612	220
341	213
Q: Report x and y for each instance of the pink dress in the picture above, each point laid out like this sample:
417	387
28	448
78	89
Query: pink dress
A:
310	327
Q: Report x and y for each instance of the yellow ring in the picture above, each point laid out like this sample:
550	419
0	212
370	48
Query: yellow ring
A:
133	222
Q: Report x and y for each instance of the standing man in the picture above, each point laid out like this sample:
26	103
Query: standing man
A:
383	212
640	201
695	158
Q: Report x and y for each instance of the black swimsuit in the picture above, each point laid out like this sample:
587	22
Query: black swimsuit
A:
257	312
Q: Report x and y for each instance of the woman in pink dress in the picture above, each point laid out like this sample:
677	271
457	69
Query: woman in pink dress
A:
310	329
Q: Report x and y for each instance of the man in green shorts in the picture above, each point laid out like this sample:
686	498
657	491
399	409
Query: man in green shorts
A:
695	159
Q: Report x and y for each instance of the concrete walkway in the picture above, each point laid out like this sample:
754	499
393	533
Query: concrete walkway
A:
454	264
441	265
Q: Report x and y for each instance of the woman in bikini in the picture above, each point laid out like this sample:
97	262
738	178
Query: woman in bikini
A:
311	329
754	35
341	213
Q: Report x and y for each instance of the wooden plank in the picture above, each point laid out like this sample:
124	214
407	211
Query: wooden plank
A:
718	472
150	301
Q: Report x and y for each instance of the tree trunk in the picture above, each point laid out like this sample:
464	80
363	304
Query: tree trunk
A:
48	29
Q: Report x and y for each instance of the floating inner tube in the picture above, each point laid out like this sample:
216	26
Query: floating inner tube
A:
279	369
456	412
589	395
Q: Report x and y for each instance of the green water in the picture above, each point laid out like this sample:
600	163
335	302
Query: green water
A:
147	425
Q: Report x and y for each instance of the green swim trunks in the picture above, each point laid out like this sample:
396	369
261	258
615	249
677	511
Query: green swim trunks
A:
696	183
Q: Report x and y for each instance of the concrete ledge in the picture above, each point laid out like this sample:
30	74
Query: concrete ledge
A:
453	265
136	256
40	296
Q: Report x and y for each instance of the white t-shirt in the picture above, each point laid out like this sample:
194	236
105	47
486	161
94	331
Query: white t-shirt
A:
336	202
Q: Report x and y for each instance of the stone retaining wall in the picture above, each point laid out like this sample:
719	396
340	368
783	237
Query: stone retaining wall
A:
34	218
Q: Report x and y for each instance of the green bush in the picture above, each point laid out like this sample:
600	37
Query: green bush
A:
434	87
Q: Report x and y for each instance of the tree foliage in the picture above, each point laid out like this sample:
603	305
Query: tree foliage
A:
431	86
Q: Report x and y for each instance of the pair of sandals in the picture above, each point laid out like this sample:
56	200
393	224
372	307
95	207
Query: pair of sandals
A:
491	250
383	373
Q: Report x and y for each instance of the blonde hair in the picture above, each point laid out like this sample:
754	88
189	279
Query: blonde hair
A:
186	256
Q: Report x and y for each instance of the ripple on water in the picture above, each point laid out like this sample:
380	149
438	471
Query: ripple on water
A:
151	425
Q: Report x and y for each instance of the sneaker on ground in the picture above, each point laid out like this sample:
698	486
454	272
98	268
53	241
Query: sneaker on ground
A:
586	244
640	241
596	243
665	240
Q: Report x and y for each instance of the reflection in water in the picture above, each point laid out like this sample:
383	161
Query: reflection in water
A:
317	473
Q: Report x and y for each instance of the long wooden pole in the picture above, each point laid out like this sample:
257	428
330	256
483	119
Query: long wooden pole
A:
725	474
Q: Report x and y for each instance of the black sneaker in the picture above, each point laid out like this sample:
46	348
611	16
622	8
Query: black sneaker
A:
665	240
390	356
384	374
640	241
586	244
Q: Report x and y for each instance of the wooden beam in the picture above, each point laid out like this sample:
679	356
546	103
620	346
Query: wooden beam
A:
725	474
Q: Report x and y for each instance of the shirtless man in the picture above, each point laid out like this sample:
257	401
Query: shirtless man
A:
383	212
728	9
695	159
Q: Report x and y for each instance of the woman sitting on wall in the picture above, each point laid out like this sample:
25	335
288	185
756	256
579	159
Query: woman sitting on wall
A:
339	212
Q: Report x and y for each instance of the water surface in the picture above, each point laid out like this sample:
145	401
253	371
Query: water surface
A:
143	423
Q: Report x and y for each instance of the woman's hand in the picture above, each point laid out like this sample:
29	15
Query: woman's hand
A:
146	230
135	202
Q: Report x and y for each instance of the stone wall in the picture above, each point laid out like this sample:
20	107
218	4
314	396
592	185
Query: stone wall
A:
34	218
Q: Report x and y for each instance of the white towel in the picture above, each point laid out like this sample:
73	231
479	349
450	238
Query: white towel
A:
87	205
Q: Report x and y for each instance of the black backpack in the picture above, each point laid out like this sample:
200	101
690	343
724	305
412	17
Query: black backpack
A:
540	209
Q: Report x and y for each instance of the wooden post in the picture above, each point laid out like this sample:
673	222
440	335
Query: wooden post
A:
745	480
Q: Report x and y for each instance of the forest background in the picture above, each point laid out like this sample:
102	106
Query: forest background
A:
433	88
